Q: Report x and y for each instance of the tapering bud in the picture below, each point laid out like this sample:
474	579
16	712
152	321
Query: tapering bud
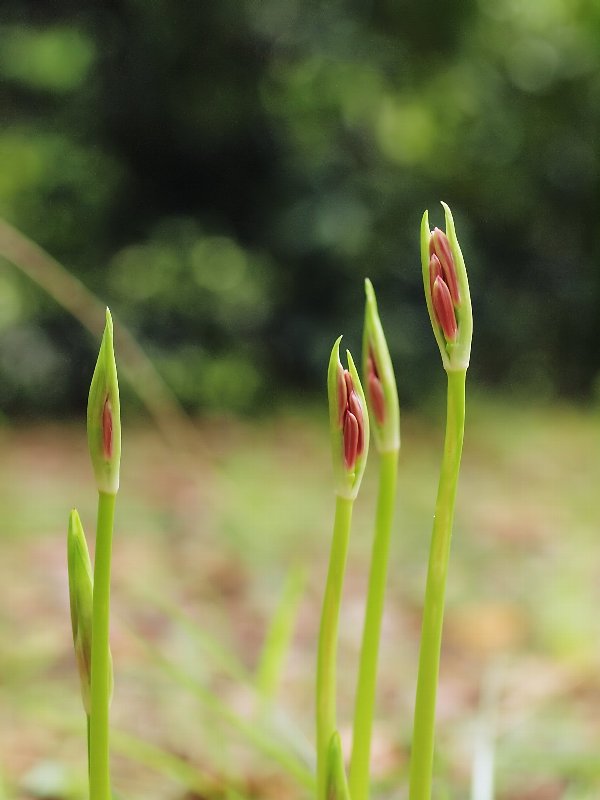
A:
337	783
104	416
81	599
447	292
349	423
378	374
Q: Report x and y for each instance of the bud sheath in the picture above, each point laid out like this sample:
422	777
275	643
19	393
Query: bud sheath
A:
379	378
104	416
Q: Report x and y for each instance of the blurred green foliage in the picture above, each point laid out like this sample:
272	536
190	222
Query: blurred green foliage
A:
225	174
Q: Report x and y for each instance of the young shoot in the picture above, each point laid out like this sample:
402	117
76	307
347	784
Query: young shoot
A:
349	426
449	304
384	413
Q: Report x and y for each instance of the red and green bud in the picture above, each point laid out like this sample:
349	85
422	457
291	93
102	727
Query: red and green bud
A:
104	416
81	593
378	374
349	424
447	292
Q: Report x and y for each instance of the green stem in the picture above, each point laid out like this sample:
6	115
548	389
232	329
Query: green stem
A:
367	675
87	717
99	760
327	655
421	764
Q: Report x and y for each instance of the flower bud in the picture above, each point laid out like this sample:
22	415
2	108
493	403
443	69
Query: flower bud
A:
103	416
447	292
81	601
349	424
337	783
378	374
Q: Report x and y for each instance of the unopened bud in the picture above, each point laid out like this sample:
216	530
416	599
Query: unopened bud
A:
103	416
378	374
337	783
447	292
81	600
349	424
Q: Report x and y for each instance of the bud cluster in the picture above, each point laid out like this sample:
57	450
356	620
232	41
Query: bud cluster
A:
445	295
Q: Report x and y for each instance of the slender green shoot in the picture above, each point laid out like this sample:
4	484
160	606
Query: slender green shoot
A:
449	305
349	426
104	441
100	700
433	613
367	674
382	397
328	636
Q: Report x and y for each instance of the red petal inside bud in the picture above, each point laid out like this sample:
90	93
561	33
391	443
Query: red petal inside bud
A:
107	429
435	270
377	398
349	384
372	363
441	247
355	408
351	437
444	309
342	393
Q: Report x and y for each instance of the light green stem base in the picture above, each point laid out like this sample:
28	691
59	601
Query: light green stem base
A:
367	675
421	763
99	758
328	635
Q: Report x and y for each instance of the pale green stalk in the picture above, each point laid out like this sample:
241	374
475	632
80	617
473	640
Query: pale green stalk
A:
99	739
328	636
421	764
384	412
367	675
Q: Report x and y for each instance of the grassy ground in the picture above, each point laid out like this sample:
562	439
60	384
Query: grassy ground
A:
203	549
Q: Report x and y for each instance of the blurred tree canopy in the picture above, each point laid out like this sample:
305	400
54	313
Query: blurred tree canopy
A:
225	174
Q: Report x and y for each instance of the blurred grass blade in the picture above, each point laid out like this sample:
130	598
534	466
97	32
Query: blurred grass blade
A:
170	765
249	730
279	637
221	657
482	775
69	292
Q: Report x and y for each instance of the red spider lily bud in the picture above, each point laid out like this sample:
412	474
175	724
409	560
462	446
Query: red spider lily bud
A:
349	424
440	246
81	599
103	416
447	292
378	374
444	309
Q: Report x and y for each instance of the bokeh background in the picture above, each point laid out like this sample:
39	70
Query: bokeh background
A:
224	176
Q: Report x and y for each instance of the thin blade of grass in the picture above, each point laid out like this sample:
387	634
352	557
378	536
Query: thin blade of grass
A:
279	636
247	729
